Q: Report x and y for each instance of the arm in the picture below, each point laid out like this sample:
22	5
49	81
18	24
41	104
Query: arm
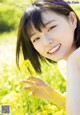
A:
73	84
57	98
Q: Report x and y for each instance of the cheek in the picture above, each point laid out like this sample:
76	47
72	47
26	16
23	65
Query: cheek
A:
39	47
59	33
67	35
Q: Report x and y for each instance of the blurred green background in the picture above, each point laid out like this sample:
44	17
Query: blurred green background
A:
11	88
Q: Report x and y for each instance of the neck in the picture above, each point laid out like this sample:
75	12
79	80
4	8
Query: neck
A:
69	53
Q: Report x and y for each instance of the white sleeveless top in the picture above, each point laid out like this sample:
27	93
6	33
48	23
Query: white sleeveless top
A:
62	65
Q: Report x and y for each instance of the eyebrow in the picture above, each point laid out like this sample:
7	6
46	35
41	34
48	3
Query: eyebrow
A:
44	24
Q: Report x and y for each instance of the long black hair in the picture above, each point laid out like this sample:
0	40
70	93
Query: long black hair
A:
33	14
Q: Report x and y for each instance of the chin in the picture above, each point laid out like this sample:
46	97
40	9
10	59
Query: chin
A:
59	58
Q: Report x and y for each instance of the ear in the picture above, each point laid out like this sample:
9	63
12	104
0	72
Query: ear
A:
72	19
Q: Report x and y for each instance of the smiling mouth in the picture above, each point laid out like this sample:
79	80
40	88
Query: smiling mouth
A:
54	49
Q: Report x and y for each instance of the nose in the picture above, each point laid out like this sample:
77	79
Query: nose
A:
46	39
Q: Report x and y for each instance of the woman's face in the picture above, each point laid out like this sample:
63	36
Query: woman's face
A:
56	40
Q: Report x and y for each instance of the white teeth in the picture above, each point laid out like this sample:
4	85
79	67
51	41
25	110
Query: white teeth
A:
54	49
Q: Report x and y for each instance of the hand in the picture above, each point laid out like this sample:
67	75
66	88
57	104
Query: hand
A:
38	88
41	89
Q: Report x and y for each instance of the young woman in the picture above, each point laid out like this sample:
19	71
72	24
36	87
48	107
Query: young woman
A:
50	30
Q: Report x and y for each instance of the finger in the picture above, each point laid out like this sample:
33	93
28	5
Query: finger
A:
28	81
37	81
31	93
27	88
34	79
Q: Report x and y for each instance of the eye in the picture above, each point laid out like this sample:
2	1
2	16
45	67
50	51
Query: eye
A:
51	28
36	39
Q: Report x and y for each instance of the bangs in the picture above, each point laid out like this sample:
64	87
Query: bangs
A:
34	18
34	14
